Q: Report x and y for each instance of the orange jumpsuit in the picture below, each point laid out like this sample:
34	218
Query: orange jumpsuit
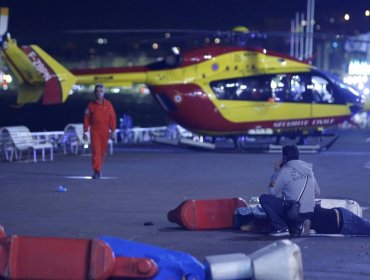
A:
100	118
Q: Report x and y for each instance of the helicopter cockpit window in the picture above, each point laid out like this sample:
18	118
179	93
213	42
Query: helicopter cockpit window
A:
248	88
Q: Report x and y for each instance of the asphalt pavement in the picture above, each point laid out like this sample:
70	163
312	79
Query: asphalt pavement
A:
141	184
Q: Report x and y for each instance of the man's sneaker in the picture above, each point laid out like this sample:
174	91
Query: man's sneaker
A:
280	232
306	226
96	175
302	230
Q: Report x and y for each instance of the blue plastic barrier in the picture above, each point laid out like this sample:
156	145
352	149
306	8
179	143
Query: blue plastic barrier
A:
171	264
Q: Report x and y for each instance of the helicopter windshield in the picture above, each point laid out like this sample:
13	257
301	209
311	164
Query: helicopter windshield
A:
347	92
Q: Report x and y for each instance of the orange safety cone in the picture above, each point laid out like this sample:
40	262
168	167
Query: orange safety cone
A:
67	258
206	214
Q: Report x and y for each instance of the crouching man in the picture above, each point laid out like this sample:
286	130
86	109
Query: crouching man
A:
291	176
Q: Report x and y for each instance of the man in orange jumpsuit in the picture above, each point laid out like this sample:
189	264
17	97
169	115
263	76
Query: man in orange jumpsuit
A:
101	119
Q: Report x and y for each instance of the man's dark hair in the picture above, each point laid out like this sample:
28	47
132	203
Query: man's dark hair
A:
99	85
290	152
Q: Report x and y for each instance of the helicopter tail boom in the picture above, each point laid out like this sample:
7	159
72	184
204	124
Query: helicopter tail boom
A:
113	76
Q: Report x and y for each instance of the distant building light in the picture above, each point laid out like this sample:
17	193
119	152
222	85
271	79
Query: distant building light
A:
144	90
318	27
175	50
367	13
115	90
155	46
359	68
7	78
167	35
217	40
331	20
102	41
346	17
207	40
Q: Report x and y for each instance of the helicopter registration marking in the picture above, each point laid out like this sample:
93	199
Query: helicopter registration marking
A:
39	65
300	123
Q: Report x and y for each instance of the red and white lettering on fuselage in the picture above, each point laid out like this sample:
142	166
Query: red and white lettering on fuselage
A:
306	122
52	90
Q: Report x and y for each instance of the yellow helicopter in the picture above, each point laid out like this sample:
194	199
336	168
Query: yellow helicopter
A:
215	91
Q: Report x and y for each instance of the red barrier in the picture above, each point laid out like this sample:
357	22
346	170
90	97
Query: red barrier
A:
67	258
206	214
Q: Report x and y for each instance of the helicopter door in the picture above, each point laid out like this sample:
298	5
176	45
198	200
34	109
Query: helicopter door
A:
323	94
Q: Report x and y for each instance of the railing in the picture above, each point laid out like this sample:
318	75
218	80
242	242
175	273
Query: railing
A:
127	136
139	134
53	137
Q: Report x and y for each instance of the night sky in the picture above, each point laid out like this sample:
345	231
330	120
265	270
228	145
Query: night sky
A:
31	17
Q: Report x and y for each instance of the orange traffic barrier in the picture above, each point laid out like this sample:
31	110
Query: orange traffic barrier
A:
67	258
206	214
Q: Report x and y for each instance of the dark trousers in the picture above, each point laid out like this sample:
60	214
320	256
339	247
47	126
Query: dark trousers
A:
353	224
275	211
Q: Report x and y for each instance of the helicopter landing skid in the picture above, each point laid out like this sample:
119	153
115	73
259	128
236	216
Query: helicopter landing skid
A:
306	148
274	143
256	143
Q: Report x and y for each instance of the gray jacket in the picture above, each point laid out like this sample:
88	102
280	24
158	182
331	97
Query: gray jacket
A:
289	181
